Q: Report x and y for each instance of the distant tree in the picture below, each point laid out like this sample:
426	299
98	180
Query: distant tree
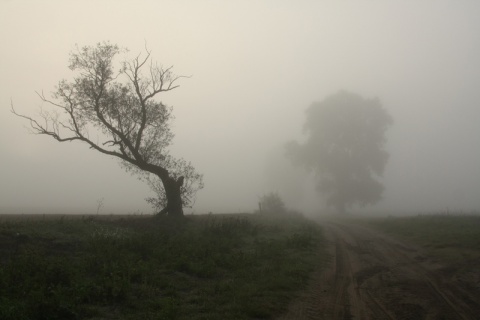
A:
272	203
345	148
112	108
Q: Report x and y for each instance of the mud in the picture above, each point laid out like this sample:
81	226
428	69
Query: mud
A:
373	276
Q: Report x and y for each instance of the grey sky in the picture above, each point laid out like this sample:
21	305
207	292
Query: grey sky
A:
256	66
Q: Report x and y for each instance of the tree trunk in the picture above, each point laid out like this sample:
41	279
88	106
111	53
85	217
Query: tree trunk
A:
174	206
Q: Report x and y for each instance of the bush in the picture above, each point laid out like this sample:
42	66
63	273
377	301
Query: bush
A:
272	203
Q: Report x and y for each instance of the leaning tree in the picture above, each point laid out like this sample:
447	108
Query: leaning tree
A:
345	148
112	107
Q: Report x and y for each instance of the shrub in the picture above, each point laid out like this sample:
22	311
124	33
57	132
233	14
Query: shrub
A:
272	203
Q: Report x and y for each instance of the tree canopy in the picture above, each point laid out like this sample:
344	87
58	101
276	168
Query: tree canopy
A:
345	147
112	107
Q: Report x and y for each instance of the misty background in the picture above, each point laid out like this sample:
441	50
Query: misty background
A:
255	68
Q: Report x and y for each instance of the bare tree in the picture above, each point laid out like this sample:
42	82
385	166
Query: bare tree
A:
114	111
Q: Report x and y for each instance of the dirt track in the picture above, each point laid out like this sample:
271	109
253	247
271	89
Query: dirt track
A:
372	276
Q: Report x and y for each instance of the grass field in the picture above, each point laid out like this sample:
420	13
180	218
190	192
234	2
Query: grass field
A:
203	267
450	237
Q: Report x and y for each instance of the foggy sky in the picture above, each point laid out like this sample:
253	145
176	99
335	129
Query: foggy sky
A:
255	67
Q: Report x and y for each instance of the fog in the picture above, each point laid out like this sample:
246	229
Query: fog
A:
255	67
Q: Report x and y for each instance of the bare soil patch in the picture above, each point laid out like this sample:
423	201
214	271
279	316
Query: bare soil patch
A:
374	276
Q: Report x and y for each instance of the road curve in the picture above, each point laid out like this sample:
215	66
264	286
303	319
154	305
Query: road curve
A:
373	276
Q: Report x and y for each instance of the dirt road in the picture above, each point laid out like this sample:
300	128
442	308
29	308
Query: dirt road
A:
372	276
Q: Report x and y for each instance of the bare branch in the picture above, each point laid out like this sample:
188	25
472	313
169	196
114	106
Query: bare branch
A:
111	142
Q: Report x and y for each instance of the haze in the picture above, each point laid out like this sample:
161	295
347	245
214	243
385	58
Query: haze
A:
255	68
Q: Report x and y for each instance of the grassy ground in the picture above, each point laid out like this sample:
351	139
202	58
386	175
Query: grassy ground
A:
205	267
450	237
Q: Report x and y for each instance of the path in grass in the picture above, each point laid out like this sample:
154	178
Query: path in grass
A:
374	276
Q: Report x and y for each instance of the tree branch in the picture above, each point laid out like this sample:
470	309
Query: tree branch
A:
43	130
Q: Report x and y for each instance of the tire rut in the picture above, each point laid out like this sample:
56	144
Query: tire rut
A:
372	276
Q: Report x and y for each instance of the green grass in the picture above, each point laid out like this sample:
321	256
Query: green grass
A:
448	236
204	267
